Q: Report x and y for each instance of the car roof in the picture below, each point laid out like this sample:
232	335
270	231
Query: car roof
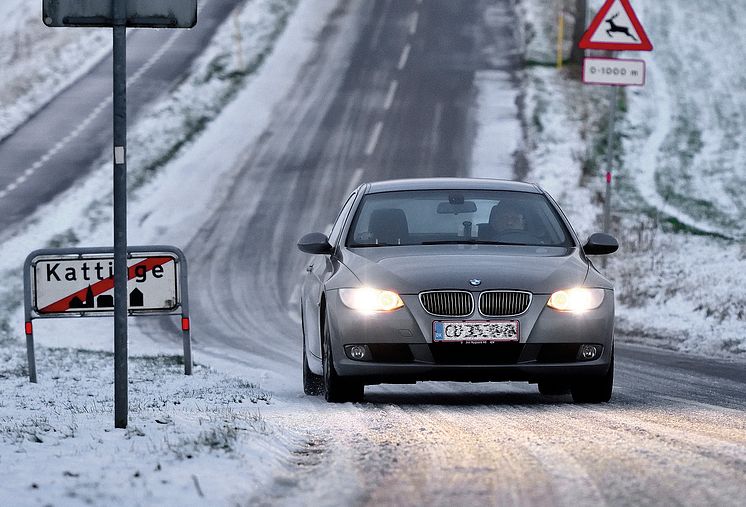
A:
451	184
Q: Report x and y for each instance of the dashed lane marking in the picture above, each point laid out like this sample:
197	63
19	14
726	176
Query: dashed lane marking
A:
404	56
391	94
413	22
373	141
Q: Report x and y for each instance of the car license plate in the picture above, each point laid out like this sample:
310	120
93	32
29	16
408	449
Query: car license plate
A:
491	331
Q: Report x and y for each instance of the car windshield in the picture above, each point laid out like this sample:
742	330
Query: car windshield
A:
431	217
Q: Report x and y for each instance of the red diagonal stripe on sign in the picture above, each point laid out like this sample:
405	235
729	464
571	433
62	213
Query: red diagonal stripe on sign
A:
103	285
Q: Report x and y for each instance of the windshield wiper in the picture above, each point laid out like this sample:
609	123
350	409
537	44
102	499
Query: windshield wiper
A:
372	245
470	242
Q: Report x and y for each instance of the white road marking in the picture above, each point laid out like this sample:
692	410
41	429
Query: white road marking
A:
153	59
437	118
294	316
373	141
294	298
355	180
404	56
413	21
390	95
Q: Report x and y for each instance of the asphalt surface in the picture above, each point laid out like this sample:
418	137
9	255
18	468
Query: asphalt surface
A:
62	142
389	93
675	432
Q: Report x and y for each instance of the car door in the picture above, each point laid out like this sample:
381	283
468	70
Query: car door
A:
320	269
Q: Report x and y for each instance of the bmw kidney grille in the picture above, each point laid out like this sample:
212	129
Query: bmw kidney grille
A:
448	303
503	303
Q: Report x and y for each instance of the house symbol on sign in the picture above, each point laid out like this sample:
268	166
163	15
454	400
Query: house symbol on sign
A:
105	300
136	298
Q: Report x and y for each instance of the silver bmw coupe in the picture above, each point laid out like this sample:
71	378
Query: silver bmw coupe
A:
458	280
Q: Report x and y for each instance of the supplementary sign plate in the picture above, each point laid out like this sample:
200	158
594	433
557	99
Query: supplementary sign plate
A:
614	72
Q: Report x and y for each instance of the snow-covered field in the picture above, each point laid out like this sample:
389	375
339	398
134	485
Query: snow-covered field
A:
680	164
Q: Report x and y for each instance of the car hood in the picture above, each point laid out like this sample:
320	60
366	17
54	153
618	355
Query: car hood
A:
410	270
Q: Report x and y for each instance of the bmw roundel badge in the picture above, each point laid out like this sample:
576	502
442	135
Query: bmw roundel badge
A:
476	282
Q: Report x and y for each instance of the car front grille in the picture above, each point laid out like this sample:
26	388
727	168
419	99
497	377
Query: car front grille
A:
448	303
501	303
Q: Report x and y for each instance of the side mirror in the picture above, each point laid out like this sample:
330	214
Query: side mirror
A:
315	243
600	244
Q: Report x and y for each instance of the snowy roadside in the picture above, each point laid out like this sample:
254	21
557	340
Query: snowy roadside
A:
192	440
677	286
189	440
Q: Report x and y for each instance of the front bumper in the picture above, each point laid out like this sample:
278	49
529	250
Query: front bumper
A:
402	350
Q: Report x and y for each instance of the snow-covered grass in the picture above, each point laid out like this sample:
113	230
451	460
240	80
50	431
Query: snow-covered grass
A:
37	61
685	147
679	166
189	439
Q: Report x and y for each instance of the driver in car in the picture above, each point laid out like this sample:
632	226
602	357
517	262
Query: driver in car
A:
505	217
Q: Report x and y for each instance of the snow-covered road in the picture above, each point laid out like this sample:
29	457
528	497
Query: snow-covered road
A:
667	438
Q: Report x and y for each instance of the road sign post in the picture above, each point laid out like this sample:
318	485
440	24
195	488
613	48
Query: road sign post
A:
614	28
120	213
610	156
120	14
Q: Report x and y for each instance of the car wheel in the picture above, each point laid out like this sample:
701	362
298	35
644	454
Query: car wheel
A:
337	389
594	389
313	384
553	388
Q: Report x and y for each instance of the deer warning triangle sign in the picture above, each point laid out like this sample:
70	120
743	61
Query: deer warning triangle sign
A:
616	28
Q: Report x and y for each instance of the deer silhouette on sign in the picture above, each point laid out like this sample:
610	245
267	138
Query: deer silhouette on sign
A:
614	28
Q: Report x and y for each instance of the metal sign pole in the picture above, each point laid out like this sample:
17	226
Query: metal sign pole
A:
610	157
120	213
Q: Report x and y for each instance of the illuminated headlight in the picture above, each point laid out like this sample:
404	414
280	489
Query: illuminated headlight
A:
576	300
367	300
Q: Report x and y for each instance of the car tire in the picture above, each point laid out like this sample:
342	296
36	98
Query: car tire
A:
594	389
337	389
313	384
553	388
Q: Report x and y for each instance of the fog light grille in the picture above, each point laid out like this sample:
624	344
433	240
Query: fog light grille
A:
448	303
503	303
